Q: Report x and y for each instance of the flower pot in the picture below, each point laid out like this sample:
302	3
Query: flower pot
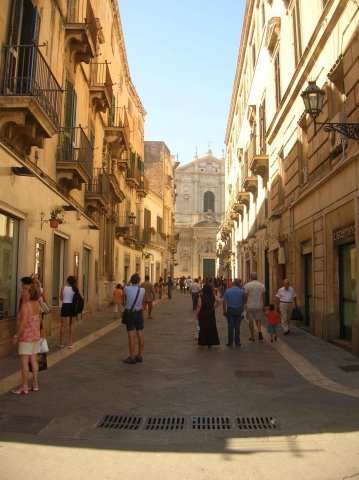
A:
54	223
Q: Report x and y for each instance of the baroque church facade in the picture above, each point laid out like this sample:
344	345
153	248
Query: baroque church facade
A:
199	212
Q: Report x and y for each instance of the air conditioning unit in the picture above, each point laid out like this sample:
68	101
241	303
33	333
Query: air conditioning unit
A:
337	141
304	175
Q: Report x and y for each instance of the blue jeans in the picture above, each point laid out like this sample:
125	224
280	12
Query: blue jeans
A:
234	316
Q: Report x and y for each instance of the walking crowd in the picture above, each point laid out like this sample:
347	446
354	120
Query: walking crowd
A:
239	301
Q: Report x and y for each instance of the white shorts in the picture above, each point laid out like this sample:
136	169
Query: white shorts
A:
255	314
29	348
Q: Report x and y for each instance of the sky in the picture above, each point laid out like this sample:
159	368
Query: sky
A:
182	56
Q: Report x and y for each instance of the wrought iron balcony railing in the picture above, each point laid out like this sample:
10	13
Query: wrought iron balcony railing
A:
100	77
74	146
81	12
99	184
26	73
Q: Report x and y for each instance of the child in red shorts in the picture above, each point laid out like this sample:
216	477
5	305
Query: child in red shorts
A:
273	320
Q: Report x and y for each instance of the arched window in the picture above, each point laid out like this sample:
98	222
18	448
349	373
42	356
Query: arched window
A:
208	202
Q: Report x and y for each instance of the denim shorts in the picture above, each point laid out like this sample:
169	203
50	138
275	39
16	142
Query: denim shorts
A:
272	328
135	321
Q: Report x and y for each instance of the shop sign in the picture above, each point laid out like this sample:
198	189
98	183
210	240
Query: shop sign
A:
344	235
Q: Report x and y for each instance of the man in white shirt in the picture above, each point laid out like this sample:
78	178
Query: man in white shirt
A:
256	302
195	289
134	297
284	300
189	282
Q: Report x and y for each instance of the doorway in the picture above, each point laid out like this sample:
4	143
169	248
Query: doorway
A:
209	267
308	288
347	286
58	269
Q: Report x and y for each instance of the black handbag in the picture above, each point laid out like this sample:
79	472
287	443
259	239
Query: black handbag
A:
296	314
126	314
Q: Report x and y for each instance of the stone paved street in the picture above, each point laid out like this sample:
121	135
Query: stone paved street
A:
316	436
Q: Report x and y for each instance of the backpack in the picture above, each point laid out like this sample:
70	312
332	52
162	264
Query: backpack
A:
78	303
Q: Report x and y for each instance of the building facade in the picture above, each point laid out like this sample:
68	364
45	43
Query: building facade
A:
292	187
199	211
71	146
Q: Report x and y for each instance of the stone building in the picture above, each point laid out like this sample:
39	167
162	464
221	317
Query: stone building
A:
292	186
199	211
71	143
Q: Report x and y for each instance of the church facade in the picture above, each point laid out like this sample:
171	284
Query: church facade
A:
199	212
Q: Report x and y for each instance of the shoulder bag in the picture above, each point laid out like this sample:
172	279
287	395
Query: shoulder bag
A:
127	313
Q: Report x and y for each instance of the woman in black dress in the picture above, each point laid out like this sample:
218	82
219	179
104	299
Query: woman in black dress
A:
207	302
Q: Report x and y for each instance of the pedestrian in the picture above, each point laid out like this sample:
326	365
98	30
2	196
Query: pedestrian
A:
195	290
182	285
272	319
27	336
149	297
160	287
207	302
256	302
118	300
284	300
133	302
188	283
67	310
169	287
234	301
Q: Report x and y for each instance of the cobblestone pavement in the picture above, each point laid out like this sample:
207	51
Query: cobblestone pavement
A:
196	413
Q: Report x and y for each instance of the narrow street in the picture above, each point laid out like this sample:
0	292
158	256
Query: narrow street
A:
302	428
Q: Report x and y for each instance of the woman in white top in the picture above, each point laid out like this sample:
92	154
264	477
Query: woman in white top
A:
67	310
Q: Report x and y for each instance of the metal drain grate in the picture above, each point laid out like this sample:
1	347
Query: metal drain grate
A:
211	423
165	423
255	423
120	422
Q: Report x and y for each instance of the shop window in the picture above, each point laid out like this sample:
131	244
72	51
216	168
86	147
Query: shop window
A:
9	244
40	260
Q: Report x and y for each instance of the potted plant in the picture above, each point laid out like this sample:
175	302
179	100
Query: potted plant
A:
282	238
56	217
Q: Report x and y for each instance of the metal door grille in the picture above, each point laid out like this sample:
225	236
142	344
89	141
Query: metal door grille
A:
165	423
255	423
120	422
211	423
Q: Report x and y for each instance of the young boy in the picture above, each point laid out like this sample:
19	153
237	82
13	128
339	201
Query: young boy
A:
273	319
118	300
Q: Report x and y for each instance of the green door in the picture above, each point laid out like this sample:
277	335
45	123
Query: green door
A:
209	267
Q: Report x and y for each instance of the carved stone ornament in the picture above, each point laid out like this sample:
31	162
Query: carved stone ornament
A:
273	34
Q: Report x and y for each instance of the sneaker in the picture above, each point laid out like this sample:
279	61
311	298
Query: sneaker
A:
130	361
34	388
260	336
20	391
138	359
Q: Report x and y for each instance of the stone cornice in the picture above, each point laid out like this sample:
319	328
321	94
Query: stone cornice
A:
241	55
123	54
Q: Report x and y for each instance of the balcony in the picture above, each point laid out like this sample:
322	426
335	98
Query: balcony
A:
172	244
143	188
80	32
97	192
133	174
117	134
117	194
249	183
30	97
238	208
74	159
100	87
244	199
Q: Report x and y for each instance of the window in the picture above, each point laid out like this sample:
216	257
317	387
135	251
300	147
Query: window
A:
262	127
147	219
297	32
277	79
208	202
9	240
159	225
40	260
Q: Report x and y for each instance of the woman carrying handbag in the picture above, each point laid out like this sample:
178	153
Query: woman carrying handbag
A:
134	318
